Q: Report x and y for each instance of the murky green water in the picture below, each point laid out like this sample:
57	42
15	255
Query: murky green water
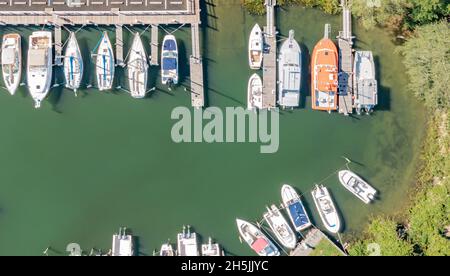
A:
81	167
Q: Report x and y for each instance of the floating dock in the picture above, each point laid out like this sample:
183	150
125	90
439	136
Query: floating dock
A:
113	13
154	60
270	58
345	41
312	240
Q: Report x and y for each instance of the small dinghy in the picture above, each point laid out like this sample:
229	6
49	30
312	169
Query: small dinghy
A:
327	211
254	92
357	186
255	48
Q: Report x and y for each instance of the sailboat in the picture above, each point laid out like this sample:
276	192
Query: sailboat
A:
40	65
254	92
105	63
289	72
366	86
255	48
137	69
324	74
280	227
11	61
169	60
325	206
73	64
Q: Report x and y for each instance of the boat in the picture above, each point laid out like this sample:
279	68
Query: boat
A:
105	63
327	211
73	64
187	243
289	72
169	60
137	69
212	249
259	242
280	227
123	244
295	209
12	61
255	48
166	250
324	75
40	65
254	92
357	186
365	83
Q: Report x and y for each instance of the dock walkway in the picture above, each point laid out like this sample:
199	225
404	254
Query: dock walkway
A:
270	59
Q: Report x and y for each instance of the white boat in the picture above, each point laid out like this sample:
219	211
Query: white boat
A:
357	186
12	61
169	60
187	243
259	242
254	92
137	69
40	65
123	244
255	48
366	86
212	249
73	64
280	227
166	250
105	64
327	211
289	72
295	208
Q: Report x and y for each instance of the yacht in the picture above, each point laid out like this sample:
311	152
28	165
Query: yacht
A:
289	73
357	186
166	250
295	209
280	227
212	249
123	244
137	69
365	83
256	239
187	243
73	64
254	92
105	63
169	60
11	61
326	208
40	65
255	48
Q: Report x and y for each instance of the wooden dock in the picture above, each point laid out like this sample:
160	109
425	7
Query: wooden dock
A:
58	45
154	44
119	45
270	59
345	41
312	239
196	65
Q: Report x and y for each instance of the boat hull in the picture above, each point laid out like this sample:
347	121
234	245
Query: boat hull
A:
73	64
105	67
259	242
255	48
326	208
169	61
280	227
357	186
12	61
289	73
254	92
137	69
364	82
295	208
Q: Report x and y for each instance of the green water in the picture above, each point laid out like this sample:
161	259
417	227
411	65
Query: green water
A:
81	167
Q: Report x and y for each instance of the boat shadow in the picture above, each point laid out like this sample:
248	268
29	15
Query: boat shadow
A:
384	93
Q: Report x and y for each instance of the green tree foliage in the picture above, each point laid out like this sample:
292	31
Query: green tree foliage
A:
427	61
427	11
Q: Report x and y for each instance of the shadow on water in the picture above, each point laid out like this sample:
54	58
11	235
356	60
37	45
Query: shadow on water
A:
384	93
209	16
88	79
183	62
306	76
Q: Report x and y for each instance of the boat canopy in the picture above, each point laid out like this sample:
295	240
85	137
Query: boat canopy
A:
259	245
169	64
170	45
298	214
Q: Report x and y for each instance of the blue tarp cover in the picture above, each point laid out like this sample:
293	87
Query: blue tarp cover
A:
169	64
170	45
298	212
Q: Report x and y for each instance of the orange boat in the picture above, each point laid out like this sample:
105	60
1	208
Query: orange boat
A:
324	75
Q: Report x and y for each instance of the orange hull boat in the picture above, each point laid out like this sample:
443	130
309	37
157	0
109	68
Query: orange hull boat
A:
324	76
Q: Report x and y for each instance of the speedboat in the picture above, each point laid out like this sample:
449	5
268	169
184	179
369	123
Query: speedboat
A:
254	92
40	65
297	213
187	243
137	69
289	72
365	84
12	61
212	249
327	211
324	75
166	250
280	227
255	48
169	60
357	186
105	63
73	64
259	242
